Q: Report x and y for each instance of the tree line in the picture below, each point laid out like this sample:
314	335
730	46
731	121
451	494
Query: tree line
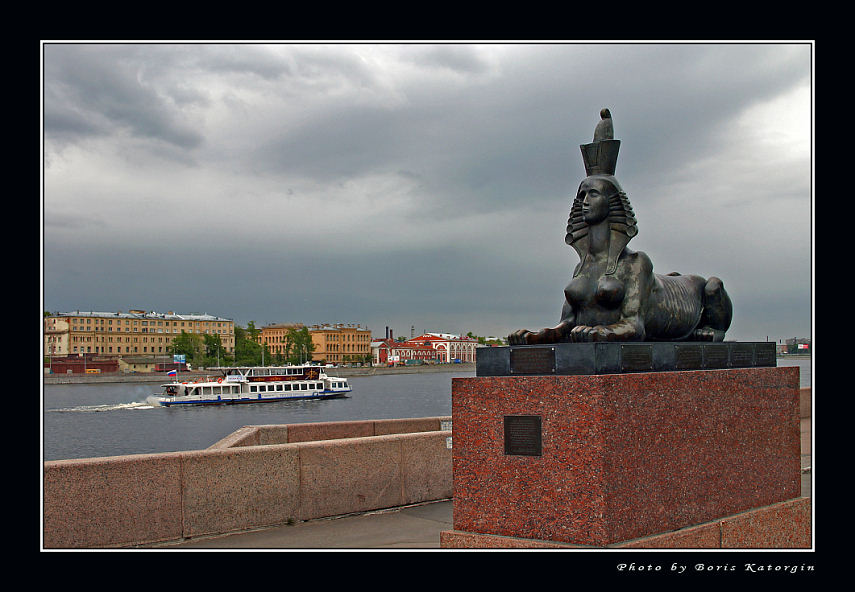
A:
205	350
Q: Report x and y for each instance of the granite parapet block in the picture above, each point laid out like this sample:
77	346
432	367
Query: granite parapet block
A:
240	488
349	475
329	430
113	501
406	425
426	466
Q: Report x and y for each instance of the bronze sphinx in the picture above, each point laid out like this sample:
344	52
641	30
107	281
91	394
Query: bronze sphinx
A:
614	294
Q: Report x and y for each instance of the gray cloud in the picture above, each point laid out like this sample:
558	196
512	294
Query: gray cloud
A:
90	90
416	184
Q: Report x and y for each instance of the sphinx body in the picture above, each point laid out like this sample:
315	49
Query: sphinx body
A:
614	294
635	304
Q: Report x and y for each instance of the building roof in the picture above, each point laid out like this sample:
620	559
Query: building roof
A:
411	345
441	337
139	314
337	327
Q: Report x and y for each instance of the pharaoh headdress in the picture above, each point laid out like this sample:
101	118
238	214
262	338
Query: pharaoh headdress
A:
600	157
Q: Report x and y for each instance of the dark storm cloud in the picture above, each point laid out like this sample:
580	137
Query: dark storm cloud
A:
498	141
96	91
419	183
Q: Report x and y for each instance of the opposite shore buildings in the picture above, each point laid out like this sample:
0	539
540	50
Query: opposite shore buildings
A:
334	343
136	335
342	343
136	332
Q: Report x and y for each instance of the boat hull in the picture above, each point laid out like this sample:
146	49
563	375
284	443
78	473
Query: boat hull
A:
255	384
181	401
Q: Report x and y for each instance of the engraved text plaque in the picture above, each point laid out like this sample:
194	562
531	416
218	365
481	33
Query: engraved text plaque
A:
636	358
523	435
742	356
687	357
715	357
532	360
765	355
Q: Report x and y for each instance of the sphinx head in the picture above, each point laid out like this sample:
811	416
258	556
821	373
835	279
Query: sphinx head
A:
600	198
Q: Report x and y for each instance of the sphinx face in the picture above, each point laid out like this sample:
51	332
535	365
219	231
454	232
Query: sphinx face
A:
594	196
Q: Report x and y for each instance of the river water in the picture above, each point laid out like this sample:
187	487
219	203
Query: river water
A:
91	420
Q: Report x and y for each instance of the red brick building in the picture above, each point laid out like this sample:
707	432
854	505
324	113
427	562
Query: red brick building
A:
428	347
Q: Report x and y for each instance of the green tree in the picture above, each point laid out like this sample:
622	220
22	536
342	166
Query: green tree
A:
247	349
481	340
300	345
191	345
214	353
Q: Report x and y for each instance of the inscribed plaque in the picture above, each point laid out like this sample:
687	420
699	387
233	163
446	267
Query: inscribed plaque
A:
636	358
532	360
523	435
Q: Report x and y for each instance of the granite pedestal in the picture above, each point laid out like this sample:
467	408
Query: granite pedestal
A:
599	460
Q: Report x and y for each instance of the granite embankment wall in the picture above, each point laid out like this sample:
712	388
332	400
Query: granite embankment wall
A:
258	476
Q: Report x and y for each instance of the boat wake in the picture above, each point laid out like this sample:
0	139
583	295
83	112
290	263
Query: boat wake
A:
108	407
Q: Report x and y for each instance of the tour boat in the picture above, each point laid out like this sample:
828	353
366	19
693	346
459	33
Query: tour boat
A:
255	384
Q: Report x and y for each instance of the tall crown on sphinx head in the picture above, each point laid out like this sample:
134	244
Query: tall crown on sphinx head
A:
600	156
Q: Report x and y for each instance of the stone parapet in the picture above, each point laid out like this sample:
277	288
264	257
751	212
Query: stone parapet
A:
252	479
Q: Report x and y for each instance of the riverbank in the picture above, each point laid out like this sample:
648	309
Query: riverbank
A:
160	377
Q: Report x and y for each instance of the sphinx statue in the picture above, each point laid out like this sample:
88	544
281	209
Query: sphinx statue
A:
614	294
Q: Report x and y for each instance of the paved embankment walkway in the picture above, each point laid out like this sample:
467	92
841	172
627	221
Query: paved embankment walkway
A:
409	527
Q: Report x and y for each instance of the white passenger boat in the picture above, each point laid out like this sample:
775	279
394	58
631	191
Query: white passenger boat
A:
255	384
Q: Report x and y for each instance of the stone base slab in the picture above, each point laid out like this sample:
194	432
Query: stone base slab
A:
786	525
559	359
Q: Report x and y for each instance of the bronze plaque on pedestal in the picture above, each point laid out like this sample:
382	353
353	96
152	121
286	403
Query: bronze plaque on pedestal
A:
715	357
532	360
688	357
523	435
636	358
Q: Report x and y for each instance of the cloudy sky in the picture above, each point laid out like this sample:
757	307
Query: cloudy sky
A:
422	185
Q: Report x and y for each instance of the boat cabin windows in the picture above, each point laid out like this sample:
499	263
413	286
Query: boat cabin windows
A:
210	391
284	371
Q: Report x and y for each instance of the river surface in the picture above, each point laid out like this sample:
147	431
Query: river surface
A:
91	420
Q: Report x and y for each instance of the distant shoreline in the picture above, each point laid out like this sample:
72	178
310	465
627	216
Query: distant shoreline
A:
160	377
344	372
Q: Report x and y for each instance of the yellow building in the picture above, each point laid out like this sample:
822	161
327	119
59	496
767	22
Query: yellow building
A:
128	333
275	337
339	343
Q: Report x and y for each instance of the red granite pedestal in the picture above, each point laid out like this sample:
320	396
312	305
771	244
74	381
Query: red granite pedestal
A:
623	457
